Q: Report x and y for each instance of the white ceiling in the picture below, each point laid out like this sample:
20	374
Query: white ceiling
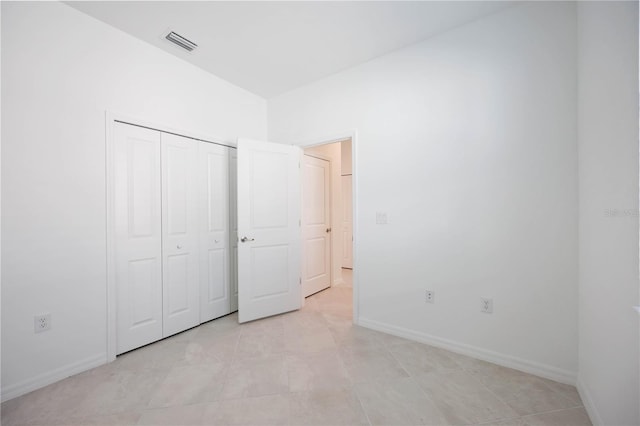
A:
270	47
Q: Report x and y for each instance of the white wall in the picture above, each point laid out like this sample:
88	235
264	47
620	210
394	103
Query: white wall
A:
468	142
60	71
608	153
333	153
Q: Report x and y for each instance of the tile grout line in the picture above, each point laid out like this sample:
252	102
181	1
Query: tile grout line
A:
228	366
518	416
414	379
552	411
406	370
508	405
366	415
344	367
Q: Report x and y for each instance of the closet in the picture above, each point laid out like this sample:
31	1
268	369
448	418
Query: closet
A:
173	251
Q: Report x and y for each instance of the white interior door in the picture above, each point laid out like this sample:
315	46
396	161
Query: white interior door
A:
316	224
347	222
181	290
269	278
213	184
138	236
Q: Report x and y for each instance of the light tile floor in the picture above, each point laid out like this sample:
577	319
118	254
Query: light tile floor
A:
311	367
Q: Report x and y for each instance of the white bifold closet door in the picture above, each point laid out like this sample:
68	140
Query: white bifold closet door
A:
157	232
138	236
180	243
175	244
217	296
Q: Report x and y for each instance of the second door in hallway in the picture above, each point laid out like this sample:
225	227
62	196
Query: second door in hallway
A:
316	224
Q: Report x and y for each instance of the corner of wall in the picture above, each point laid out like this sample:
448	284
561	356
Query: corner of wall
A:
588	403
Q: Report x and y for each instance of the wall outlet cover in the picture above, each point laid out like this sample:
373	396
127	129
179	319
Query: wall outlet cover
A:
41	323
430	296
486	305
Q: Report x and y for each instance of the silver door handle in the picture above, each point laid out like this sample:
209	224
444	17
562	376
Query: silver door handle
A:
178	246
328	230
245	239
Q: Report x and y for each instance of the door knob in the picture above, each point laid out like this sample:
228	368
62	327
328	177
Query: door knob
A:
245	239
328	230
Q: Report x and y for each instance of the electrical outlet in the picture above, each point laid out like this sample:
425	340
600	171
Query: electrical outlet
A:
41	323
381	218
486	305
430	296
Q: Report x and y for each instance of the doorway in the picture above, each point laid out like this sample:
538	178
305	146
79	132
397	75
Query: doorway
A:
328	238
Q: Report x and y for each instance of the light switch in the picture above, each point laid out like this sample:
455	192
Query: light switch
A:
381	218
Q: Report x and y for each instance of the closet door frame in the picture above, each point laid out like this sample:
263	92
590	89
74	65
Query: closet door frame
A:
110	119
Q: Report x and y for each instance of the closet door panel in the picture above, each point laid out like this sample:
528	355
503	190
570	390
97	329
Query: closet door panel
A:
215	292
181	294
138	256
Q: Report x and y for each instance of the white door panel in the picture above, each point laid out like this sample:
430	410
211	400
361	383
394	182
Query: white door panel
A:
180	246
316	224
215	292
269	229
137	236
347	224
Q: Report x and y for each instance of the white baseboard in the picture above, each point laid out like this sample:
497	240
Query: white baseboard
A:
37	382
531	367
588	403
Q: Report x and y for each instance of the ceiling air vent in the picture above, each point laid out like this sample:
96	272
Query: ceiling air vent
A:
177	39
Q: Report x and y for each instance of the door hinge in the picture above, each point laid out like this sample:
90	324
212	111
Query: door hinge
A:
300	280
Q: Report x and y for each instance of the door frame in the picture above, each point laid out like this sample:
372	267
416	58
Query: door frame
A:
110	119
340	137
350	176
303	256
